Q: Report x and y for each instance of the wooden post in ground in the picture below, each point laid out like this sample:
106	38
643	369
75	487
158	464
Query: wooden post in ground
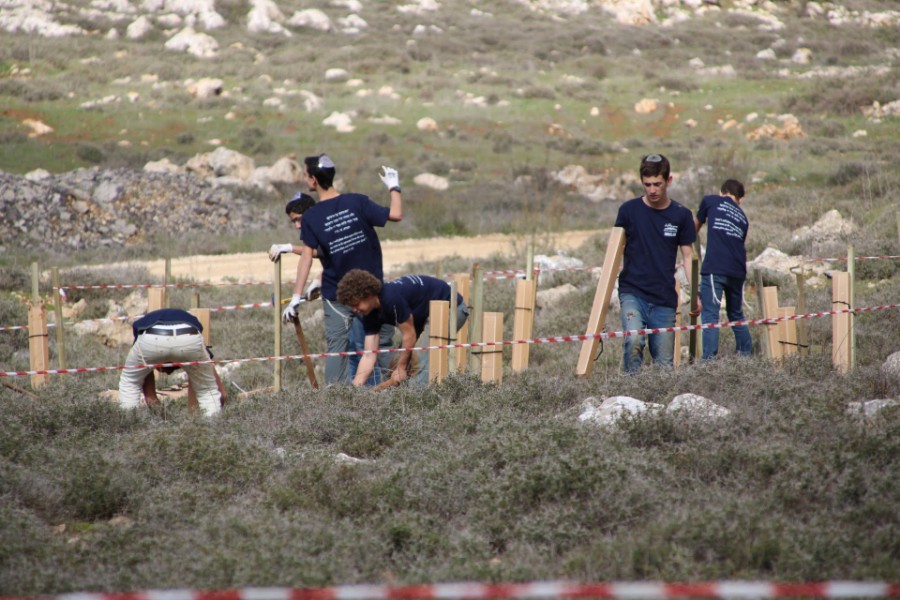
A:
851	302
458	364
310	369
156	298
770	311
841	323
203	315
276	314
476	315
802	326
676	355
523	323
608	273
492	356
167	280
693	343
38	342
438	335
787	331
452	327
760	299
60	330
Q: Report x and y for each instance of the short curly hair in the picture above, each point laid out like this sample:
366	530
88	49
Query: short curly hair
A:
357	285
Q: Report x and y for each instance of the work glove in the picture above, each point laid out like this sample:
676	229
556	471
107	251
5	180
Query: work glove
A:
278	249
313	290
290	313
390	178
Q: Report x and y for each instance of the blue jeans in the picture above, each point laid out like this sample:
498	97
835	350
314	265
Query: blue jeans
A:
714	289
637	313
343	333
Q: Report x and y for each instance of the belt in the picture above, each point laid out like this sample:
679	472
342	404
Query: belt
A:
178	331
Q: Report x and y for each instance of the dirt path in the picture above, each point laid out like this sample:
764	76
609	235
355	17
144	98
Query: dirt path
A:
255	266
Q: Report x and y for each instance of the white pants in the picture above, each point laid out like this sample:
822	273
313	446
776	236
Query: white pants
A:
152	349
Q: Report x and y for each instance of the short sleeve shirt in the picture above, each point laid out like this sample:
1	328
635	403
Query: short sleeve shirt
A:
165	316
342	230
652	239
409	295
726	253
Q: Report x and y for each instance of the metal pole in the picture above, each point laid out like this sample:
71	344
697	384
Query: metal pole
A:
167	281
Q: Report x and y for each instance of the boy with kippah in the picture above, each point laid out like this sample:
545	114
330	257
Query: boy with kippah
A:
341	229
656	228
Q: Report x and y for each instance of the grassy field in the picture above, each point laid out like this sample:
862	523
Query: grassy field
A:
465	480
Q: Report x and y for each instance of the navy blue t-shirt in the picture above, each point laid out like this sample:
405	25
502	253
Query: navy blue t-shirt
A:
165	316
728	225
342	229
409	295
652	239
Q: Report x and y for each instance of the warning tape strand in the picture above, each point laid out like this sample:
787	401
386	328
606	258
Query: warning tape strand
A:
541	340
541	590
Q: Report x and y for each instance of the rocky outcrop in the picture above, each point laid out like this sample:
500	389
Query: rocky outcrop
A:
108	208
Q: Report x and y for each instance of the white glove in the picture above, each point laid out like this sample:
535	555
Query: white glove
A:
278	249
390	177
290	313
313	290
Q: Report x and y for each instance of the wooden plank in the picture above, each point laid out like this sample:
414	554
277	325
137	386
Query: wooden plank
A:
770	311
38	343
523	323
492	356
203	315
458	365
787	331
476	315
156	298
438	335
608	273
840	324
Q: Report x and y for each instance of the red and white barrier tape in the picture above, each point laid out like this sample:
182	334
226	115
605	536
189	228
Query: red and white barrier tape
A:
541	590
543	340
131	286
134	317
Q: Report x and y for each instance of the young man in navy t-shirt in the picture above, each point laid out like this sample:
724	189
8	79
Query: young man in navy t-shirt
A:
724	268
341	229
656	227
404	302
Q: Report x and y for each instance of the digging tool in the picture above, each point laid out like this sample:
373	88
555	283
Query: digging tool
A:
310	371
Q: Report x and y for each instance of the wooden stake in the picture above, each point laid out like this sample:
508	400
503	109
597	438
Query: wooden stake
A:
851	301
492	356
770	311
693	345
608	273
458	365
451	328
276	315
156	298
167	280
438	335
476	314
763	339
38	343
310	369
60	330
523	323
787	331
840	324
802	329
